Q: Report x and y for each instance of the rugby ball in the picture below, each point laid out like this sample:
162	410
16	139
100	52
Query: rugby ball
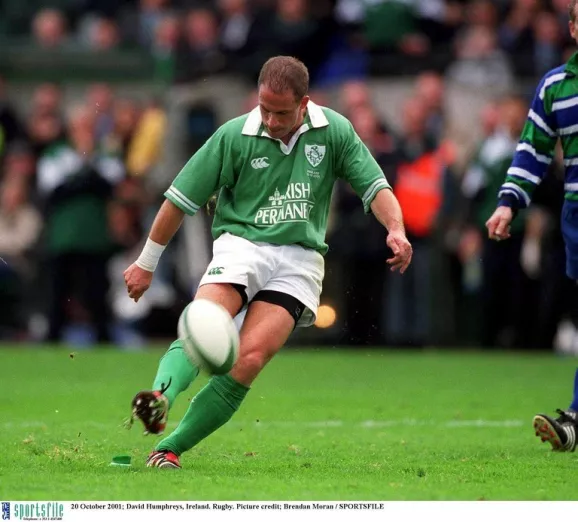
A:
209	335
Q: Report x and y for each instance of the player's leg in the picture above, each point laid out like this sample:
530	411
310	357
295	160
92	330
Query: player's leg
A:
562	432
175	372
266	328
175	367
236	272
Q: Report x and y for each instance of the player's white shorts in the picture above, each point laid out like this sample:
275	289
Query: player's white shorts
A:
290	269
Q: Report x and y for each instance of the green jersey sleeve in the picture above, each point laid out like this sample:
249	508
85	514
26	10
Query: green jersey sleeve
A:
359	168
203	175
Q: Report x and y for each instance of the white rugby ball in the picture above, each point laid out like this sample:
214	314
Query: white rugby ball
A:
210	337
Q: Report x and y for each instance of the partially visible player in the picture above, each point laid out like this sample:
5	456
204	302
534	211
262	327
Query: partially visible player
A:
274	169
553	116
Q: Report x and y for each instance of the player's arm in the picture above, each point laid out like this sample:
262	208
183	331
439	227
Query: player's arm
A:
166	223
533	156
199	179
387	211
139	275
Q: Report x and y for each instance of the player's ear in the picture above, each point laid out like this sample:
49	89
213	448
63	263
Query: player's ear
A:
304	102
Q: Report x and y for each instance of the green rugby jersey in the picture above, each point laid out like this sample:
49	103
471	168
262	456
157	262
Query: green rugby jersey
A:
553	115
272	192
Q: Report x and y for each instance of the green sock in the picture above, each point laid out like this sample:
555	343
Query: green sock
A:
212	407
175	367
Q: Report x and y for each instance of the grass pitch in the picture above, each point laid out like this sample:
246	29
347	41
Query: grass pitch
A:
317	425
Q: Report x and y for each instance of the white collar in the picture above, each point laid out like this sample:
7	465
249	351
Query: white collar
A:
254	120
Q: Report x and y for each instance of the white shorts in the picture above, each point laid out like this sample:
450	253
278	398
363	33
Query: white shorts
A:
290	269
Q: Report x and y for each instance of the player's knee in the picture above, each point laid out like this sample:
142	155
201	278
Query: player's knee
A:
249	365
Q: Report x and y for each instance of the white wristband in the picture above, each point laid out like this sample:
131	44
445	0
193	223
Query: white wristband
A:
150	255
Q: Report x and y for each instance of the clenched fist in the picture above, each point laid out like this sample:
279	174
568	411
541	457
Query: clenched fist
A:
137	281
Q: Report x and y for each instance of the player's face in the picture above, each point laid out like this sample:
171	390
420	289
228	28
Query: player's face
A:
281	113
573	25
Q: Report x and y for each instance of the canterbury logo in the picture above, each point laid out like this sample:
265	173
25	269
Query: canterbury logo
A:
259	163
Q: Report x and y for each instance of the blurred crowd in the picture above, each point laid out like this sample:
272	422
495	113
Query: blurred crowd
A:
479	42
73	198
79	182
76	200
462	288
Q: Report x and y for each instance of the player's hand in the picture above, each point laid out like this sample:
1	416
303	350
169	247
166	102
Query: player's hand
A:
137	281
401	249
499	223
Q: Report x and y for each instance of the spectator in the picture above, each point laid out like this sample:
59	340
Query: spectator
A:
43	130
47	100
165	47
200	54
20	226
515	35
430	88
548	39
100	99
419	187
290	30
357	244
126	115
145	147
45	125
235	26
505	291
150	14
49	28
103	35
483	13
19	163
354	95
126	220
350	12
392	26
76	182
438	20
480	64
378	138
490	118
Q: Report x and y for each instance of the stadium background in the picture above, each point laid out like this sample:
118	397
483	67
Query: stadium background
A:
143	83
